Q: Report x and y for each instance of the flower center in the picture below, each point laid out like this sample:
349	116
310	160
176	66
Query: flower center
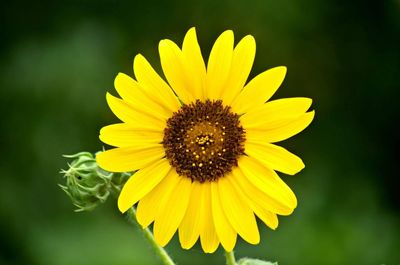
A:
203	140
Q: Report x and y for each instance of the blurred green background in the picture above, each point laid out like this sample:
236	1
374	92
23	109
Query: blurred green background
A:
58	59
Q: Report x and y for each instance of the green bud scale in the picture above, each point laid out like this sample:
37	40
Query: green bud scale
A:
87	184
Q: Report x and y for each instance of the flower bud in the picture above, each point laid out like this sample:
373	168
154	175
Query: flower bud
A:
87	184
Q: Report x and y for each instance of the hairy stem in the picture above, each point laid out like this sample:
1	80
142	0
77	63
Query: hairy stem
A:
230	258
161	253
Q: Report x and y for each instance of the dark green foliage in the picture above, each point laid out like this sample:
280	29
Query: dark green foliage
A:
58	59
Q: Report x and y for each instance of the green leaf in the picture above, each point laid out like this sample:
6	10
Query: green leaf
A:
247	261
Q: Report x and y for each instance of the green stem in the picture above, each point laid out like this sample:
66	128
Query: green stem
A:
230	258
165	258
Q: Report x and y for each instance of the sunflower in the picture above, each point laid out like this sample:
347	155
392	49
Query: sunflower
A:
202	144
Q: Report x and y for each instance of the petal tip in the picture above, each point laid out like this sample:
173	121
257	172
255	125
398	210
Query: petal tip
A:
111	99
227	34
310	115
294	206
307	102
122	207
139	58
249	44
249	38
300	168
119	78
256	241
288	211
282	69
142	223
161	241
119	75
209	251
228	31
273	227
109	96
99	158
102	130
229	248
192	30
162	43
186	245
191	36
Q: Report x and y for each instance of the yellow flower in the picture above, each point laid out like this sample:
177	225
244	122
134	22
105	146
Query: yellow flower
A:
202	144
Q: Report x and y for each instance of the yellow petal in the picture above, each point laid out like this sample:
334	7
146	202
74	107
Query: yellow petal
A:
125	159
258	196
140	183
126	112
259	90
219	65
225	232
237	211
275	112
189	229
270	219
242	61
171	213
274	157
131	92
195	63
198	220
154	84
149	205
259	206
280	132
123	135
208	237
268	181
175	70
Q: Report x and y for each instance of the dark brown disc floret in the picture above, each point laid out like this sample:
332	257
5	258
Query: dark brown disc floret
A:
203	140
